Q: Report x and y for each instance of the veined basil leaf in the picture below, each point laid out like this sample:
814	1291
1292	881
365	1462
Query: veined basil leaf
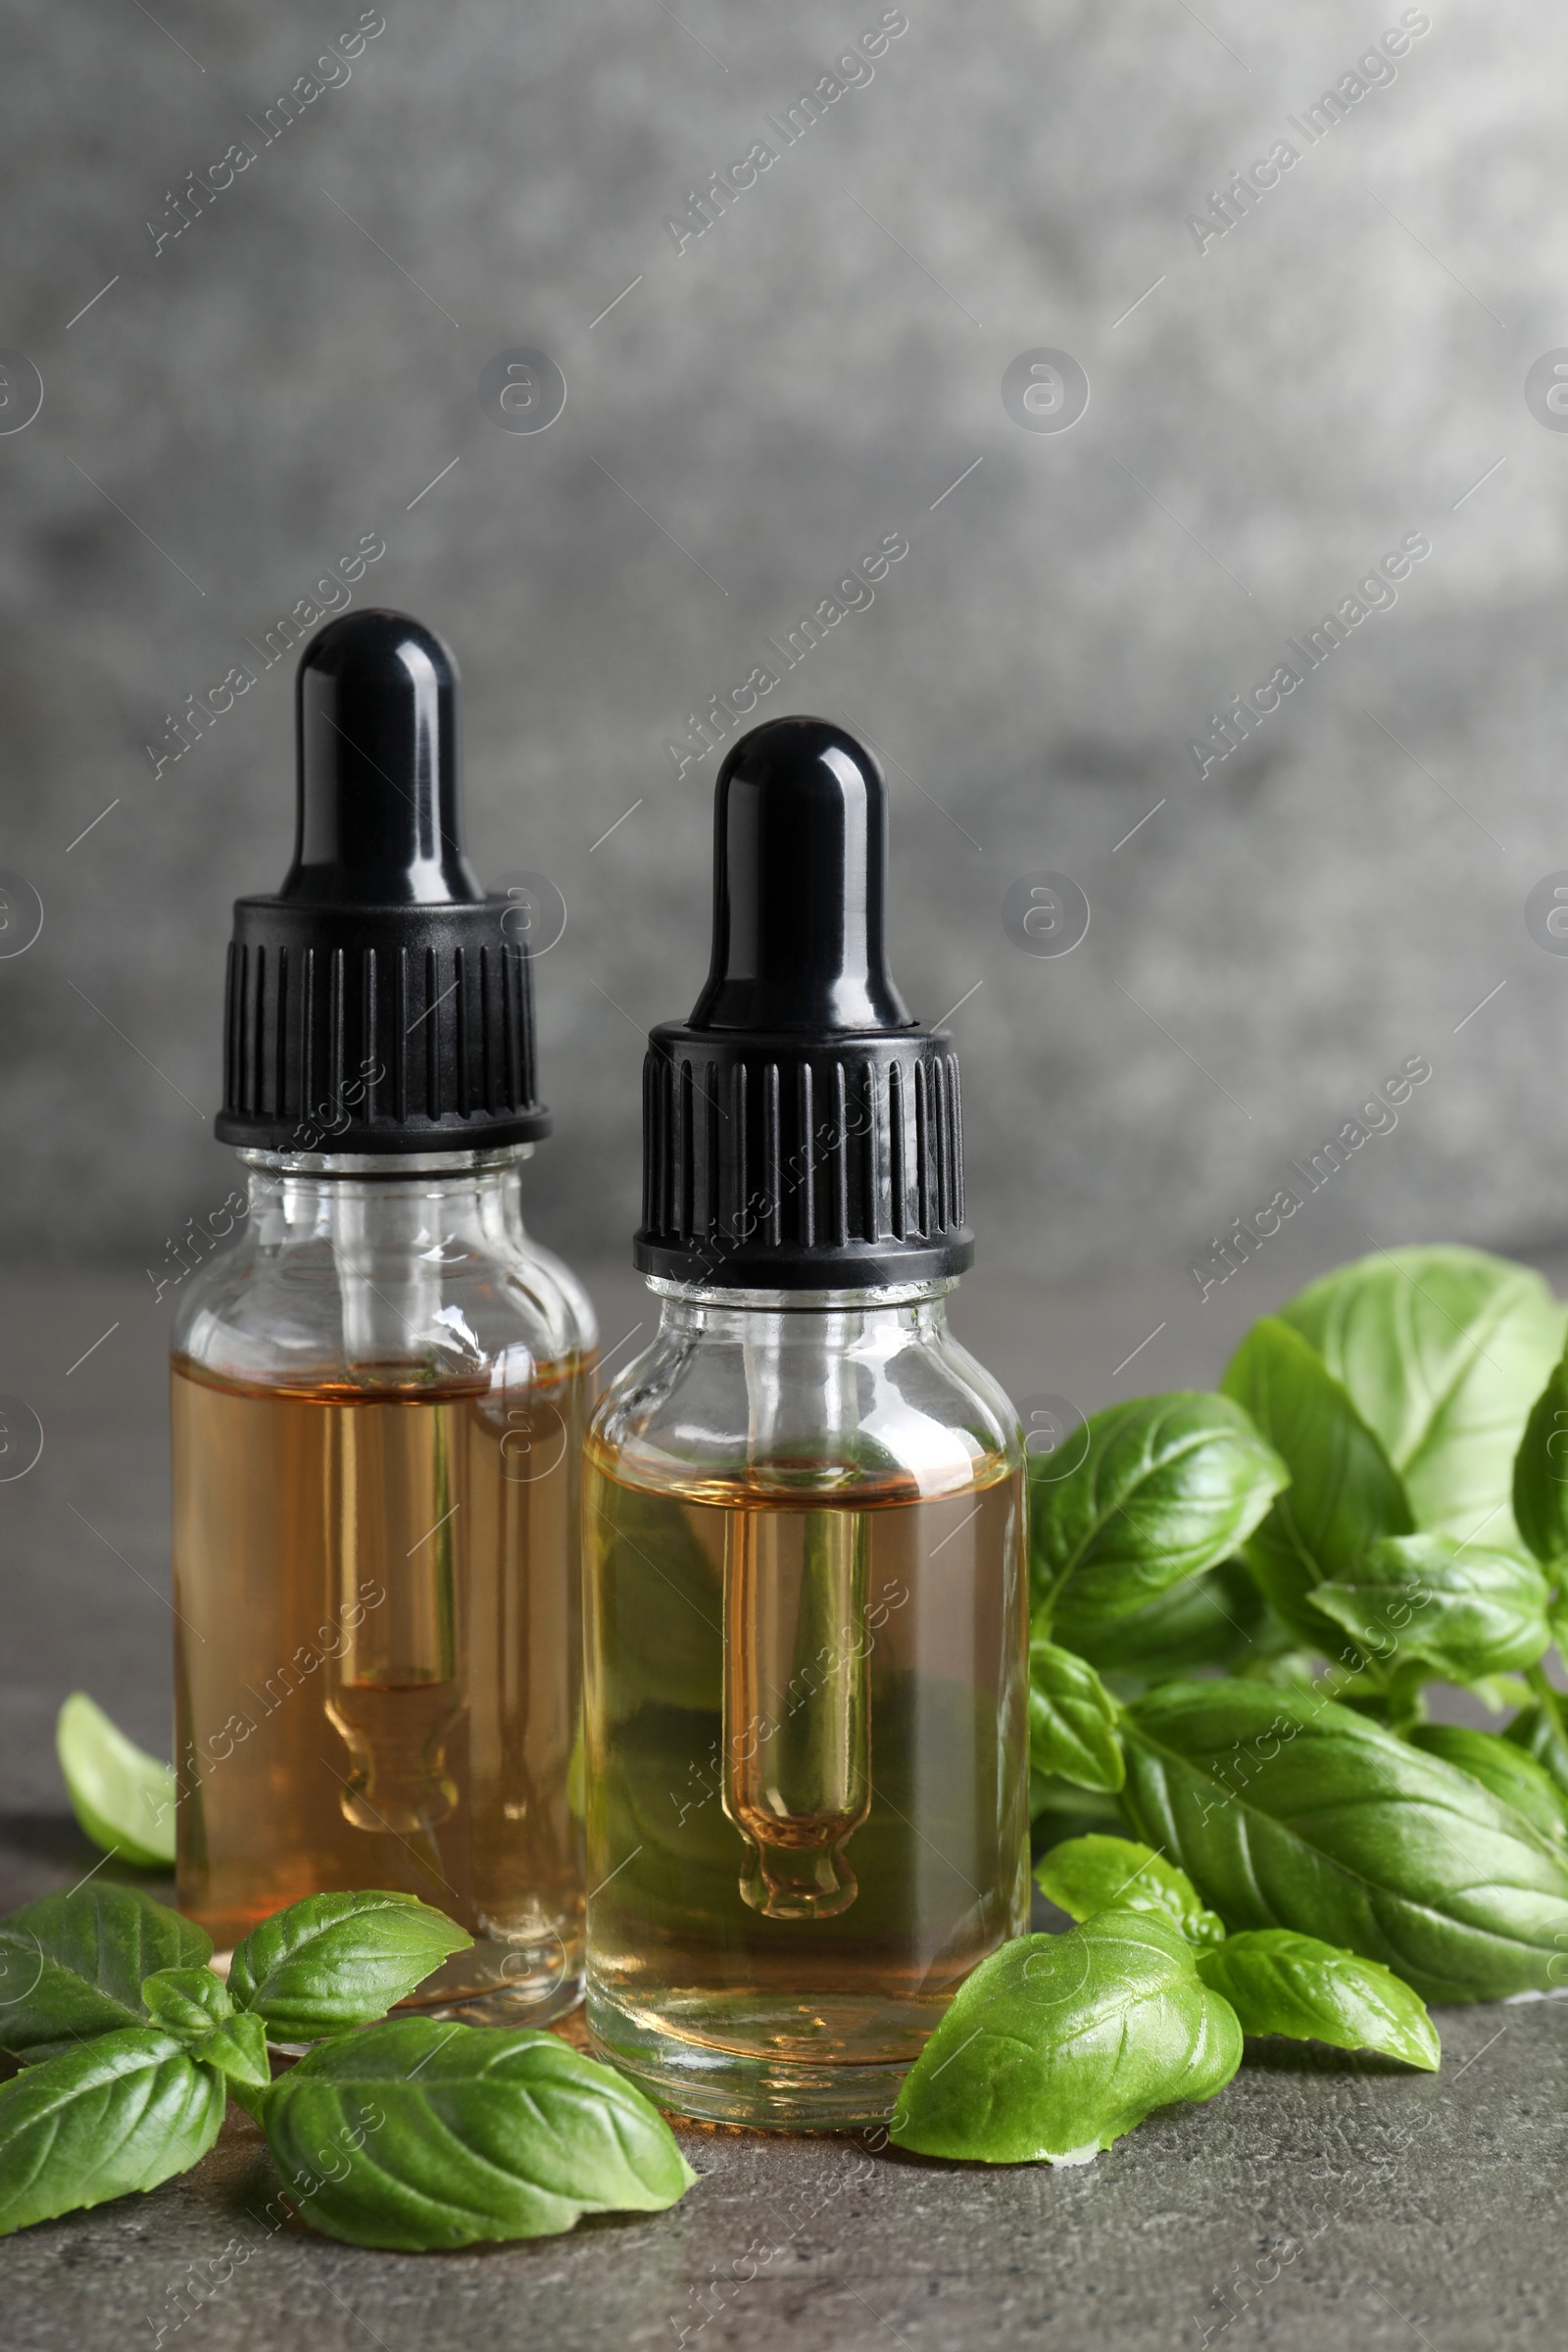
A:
1086	1874
1280	1982
72	1965
123	1797
1072	1720
418	2134
120	2113
1344	1492
1443	1350
189	2001
339	1960
1468	1612
1508	1771
194	2005
1287	1810
1168	1486
1540	1471
1217	1619
1059	2045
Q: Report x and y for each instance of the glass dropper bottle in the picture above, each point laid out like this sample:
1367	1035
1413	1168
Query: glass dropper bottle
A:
804	1513
379	1392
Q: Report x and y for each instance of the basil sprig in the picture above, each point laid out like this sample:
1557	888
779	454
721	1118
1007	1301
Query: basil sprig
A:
1060	2044
1384	1482
135	2046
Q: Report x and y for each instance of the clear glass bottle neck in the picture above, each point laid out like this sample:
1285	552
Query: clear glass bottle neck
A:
385	1166
385	1239
806	1391
699	1310
429	1203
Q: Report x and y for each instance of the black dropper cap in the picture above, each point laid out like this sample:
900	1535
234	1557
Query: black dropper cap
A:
380	1001
801	1131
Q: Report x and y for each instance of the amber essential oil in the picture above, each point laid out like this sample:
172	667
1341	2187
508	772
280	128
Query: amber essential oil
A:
375	1685
807	1820
379	1390
805	1612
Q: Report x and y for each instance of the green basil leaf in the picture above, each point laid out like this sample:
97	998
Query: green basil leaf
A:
188	2001
1443	1350
120	2113
1059	2045
122	1797
1086	1874
1537	1730
338	1960
74	1965
1468	1612
1344	1492
1508	1771
1169	1485
1287	1810
1072	1720
1217	1619
1540	1471
419	2134
238	2049
1280	1982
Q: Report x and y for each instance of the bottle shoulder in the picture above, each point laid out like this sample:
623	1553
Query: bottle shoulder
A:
275	1308
906	1413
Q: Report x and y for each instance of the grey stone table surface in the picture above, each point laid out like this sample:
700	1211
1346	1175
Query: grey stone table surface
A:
1317	2202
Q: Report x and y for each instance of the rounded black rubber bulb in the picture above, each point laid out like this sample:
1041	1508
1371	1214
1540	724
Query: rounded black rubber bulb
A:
380	821
800	875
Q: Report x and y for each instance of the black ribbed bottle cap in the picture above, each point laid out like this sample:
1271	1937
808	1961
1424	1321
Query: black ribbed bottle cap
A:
801	1131
380	1002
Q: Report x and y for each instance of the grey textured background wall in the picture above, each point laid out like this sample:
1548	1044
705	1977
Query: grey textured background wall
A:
1269	415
